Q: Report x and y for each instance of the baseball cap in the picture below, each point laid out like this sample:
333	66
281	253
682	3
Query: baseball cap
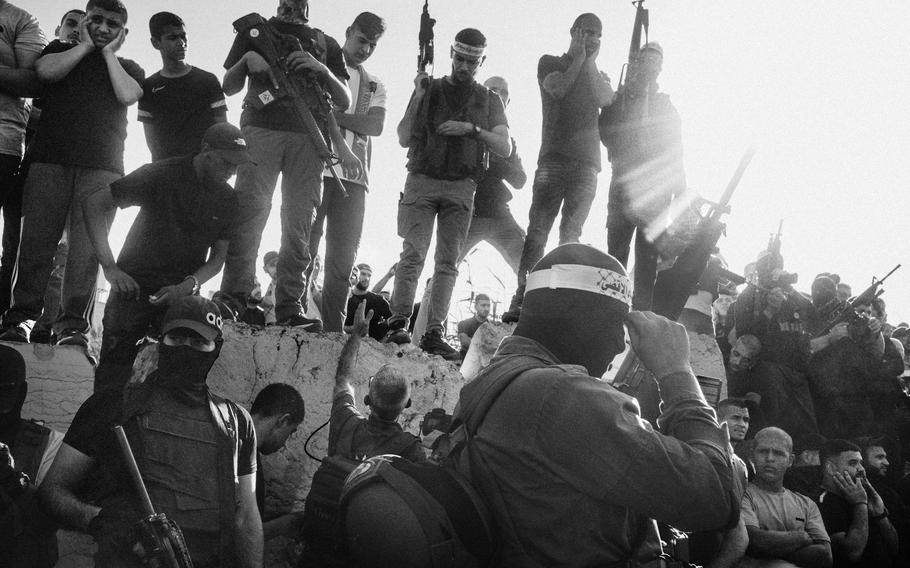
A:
269	257
194	313
751	401
227	138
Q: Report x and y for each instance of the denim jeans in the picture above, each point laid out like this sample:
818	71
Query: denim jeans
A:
425	200
570	184
51	192
292	155
342	218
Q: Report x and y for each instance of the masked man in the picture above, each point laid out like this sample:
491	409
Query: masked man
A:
196	453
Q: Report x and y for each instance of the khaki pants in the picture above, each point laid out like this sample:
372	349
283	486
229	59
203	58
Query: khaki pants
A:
425	200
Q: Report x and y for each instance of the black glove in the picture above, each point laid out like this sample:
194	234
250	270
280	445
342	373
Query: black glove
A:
113	531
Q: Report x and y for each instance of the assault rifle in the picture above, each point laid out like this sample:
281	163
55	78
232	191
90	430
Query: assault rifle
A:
161	539
266	42
642	23
425	51
847	312
674	286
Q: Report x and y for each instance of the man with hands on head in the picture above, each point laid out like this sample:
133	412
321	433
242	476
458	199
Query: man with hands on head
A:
178	241
572	92
855	515
78	148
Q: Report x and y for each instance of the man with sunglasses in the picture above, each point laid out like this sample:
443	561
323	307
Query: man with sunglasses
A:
449	128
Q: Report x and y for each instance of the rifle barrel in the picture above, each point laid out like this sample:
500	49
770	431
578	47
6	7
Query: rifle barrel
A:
737	176
134	470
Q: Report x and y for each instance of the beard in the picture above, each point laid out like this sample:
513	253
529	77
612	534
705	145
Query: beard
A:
362	286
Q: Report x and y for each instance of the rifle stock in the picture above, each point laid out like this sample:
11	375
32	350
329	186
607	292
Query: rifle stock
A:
265	40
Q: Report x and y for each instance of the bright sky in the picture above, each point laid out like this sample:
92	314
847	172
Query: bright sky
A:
821	87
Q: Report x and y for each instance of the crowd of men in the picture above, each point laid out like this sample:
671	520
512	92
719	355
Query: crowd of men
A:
792	467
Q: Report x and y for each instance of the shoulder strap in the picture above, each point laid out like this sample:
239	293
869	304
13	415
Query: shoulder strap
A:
225	419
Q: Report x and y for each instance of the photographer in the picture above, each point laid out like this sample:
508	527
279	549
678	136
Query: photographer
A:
774	312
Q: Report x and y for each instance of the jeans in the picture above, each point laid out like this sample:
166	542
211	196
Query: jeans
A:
292	155
425	200
571	184
126	322
11	202
51	192
342	218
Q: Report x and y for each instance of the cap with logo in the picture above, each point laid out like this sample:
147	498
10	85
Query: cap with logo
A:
227	138
194	313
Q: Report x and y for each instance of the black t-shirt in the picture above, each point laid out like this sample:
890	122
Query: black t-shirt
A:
375	302
178	110
179	220
469	326
837	514
569	130
82	122
355	436
278	115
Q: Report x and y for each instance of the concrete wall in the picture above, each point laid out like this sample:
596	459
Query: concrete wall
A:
60	379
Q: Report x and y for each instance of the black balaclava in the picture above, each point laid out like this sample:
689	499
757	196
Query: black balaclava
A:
183	371
582	327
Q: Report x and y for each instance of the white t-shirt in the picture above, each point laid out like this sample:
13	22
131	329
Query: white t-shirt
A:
373	97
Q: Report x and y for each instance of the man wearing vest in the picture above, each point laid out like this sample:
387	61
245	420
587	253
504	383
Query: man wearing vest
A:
599	472
196	453
280	145
27	448
449	127
343	216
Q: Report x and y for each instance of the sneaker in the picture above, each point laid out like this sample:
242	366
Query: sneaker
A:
17	333
433	343
514	312
398	336
41	335
226	304
299	320
253	315
72	337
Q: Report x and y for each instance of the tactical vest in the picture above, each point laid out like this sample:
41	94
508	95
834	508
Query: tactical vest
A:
29	447
449	157
187	457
